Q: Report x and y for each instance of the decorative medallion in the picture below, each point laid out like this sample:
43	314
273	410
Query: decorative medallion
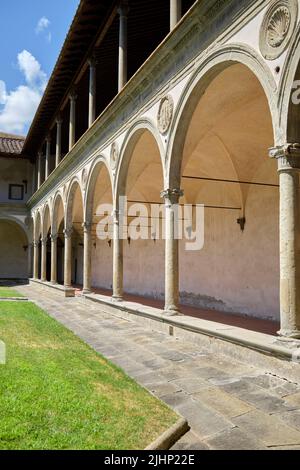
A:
277	28
114	155
84	177
165	114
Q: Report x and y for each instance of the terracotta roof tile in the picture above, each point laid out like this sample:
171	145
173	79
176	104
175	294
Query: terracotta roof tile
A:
11	144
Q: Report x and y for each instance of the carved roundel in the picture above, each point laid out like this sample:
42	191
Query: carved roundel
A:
165	114
277	28
114	155
84	177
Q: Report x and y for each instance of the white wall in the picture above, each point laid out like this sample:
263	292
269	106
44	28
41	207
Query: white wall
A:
14	171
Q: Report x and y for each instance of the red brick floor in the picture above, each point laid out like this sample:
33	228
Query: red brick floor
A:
249	323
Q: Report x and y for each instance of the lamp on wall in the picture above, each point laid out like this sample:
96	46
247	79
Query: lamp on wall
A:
242	222
25	248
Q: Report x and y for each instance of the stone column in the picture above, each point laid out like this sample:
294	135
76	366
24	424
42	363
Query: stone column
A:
72	129
123	13
58	141
48	155
39	171
35	260
171	197
92	91
175	13
117	259
87	257
54	258
44	260
68	257
288	157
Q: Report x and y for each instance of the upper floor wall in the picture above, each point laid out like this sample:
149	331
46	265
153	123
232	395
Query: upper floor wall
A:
16	185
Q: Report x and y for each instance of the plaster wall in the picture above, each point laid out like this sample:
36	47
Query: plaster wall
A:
14	171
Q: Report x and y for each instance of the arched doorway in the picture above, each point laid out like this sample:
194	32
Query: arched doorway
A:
58	224
74	222
98	208
14	248
141	180
221	158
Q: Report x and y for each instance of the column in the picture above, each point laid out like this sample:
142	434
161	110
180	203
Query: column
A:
72	128
35	259
39	172
123	13
175	13
171	197
58	141
68	257
117	259
288	158
92	91
48	155
87	257
54	258
44	260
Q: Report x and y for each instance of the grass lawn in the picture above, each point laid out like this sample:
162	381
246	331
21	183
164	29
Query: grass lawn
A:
7	292
57	393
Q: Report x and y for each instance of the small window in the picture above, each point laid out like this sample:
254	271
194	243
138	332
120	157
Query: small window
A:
16	192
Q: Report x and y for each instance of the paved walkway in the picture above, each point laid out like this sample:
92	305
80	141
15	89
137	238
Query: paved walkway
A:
229	405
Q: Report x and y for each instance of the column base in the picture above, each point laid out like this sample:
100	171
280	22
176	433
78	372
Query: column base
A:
172	312
117	298
53	283
288	335
86	291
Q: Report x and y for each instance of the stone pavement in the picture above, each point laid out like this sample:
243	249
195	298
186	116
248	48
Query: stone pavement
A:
229	405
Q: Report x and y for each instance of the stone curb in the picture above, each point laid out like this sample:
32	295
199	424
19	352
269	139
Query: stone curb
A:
171	436
14	299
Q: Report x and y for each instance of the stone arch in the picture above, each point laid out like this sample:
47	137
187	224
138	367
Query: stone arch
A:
95	170
14	248
218	154
74	186
46	220
210	68
57	203
289	113
132	137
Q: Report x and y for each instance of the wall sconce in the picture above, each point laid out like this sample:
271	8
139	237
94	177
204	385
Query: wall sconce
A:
95	245
25	248
129	240
242	222
109	243
153	236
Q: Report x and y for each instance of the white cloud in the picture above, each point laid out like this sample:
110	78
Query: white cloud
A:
2	92
19	105
42	27
32	70
43	24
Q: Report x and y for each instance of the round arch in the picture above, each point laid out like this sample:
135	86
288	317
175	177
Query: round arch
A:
214	64
14	248
57	203
46	220
132	137
98	165
287	112
74	186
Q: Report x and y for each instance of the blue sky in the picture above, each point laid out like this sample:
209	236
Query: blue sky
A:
32	33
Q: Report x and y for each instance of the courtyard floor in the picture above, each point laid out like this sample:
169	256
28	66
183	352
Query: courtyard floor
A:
229	405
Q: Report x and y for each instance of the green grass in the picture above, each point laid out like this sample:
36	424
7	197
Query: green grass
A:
7	293
57	393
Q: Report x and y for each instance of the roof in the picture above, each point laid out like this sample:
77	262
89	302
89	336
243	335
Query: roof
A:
11	144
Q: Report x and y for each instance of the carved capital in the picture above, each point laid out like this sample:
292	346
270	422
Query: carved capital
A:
73	95
54	237
44	241
35	244
87	227
92	61
172	196
48	139
288	156
68	232
59	120
123	8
